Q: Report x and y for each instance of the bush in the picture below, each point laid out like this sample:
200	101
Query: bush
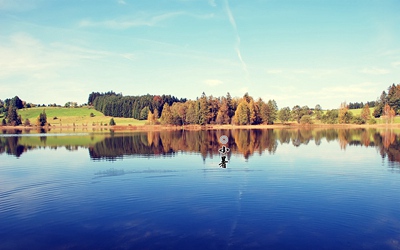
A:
112	122
331	117
306	119
91	115
372	121
357	120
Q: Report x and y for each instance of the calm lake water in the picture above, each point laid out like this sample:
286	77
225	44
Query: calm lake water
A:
281	189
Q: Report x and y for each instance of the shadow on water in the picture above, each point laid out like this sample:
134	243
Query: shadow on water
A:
246	142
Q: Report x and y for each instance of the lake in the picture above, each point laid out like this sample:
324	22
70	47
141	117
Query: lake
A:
274	189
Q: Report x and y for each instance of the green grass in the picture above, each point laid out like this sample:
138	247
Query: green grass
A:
33	113
77	116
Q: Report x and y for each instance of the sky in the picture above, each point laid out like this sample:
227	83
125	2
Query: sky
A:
296	52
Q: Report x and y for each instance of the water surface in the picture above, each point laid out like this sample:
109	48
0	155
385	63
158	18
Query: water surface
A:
281	189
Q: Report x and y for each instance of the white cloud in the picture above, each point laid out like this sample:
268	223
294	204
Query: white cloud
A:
125	23
24	55
121	2
213	82
374	71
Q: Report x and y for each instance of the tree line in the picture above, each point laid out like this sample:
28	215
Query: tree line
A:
388	104
205	110
9	110
137	107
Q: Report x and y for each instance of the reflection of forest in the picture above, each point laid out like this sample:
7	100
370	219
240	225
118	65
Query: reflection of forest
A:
206	142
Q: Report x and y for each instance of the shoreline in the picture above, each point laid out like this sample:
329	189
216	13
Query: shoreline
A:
199	127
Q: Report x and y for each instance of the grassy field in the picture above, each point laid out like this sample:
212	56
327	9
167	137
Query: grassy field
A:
77	116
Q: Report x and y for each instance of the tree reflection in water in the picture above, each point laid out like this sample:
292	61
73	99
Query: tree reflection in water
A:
245	142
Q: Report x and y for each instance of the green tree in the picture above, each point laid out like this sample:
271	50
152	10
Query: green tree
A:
203	110
144	112
265	112
42	119
13	118
306	119
112	122
297	113
318	112
284	114
272	112
331	116
393	97
231	109
3	122
380	104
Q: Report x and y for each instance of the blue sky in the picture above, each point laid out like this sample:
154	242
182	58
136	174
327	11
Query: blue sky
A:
296	52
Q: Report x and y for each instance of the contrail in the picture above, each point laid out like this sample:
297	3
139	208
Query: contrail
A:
237	46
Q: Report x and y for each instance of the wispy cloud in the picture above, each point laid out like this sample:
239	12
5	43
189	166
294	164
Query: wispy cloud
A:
374	71
125	23
121	2
213	82
22	54
212	3
237	45
129	23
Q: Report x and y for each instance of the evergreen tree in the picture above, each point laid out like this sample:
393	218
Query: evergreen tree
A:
231	110
13	118
144	112
112	122
271	112
203	110
42	119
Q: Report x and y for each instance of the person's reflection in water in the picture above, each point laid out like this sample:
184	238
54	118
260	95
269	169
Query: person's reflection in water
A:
223	162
